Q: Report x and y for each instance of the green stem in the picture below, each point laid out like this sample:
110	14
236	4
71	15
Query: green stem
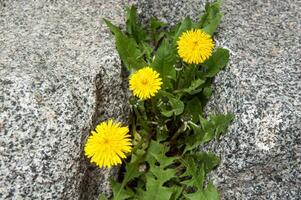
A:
179	131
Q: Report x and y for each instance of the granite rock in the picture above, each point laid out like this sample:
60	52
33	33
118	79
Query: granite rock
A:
261	153
262	87
60	75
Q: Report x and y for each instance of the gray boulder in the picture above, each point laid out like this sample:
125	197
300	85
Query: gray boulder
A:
59	76
260	155
262	87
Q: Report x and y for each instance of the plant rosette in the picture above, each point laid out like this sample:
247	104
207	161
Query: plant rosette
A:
171	72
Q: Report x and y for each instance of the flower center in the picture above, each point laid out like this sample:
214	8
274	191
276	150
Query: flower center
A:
106	141
144	82
195	44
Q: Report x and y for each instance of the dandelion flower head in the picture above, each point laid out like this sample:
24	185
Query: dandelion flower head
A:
145	83
195	46
108	144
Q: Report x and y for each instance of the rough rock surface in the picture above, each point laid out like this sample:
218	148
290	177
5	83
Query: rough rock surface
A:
59	76
261	154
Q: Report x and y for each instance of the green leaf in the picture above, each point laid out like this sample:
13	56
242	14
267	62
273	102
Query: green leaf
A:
210	28
177	193
164	61
146	50
154	190
185	25
212	17
194	87
156	31
131	171
193	108
216	62
215	125
207	92
197	166
209	160
119	192
156	152
162	132
186	76
158	173
159	162
195	172
175	107
132	166
194	140
156	24
195	196
221	122
210	193
114	29
127	48
208	129
133	27
102	197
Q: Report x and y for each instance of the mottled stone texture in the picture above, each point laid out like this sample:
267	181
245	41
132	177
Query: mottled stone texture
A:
60	75
261	154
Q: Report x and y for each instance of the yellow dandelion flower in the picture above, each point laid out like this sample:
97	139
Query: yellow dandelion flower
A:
195	46
108	144
145	83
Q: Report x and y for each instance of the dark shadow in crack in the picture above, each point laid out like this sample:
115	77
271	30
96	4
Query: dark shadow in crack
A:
95	180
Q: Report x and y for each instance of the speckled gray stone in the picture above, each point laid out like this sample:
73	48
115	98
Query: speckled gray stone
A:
261	154
60	75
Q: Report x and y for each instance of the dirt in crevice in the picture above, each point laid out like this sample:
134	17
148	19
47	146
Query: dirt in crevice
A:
95	180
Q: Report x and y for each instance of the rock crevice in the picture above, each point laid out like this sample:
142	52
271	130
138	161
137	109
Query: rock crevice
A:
60	76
